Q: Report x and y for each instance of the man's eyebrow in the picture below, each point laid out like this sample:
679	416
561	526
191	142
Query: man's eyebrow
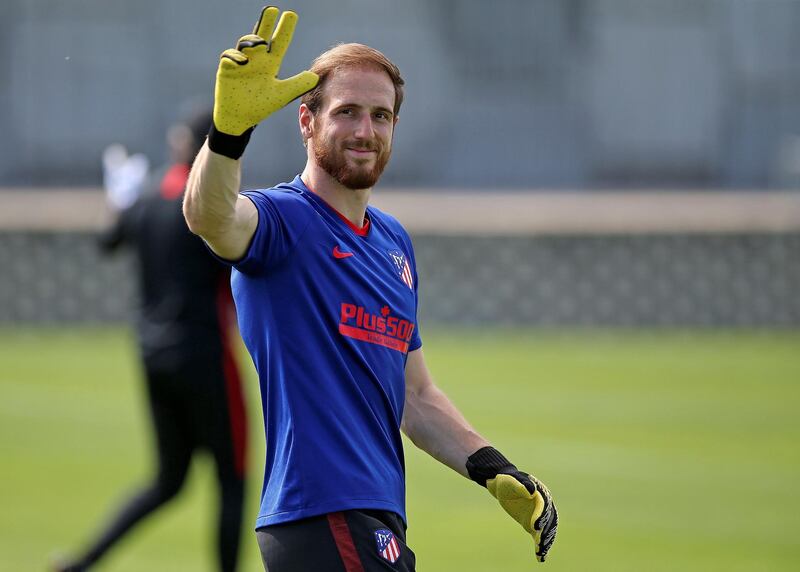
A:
353	104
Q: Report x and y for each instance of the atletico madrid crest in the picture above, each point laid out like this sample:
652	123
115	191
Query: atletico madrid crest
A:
388	547
402	267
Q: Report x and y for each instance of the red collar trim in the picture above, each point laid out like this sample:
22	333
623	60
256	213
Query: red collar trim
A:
362	231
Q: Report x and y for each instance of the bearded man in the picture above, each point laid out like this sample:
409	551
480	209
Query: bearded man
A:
326	292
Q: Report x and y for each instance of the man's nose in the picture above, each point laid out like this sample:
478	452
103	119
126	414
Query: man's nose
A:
364	128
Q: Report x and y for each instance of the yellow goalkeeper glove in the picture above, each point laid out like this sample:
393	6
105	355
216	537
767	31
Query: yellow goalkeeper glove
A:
248	89
521	495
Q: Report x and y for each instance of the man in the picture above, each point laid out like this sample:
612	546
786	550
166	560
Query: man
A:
184	333
326	293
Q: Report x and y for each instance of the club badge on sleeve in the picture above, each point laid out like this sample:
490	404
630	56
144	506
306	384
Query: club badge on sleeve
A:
388	547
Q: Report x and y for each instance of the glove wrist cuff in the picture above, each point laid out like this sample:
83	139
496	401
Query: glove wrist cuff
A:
231	146
486	463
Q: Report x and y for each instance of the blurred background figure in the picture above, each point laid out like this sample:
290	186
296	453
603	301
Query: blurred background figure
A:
184	327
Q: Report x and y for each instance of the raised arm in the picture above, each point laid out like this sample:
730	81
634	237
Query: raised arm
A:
213	207
434	425
247	91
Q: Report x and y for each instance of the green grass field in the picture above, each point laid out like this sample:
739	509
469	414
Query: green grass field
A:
664	451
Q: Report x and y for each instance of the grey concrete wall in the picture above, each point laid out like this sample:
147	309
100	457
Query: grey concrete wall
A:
513	93
724	280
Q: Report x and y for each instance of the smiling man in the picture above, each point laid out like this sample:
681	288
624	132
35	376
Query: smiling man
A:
326	293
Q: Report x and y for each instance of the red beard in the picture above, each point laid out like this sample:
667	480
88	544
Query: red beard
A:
334	162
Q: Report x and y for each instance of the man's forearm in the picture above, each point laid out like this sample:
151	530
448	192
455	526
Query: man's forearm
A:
211	194
434	425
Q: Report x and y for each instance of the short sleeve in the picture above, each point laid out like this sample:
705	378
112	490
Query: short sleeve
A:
283	217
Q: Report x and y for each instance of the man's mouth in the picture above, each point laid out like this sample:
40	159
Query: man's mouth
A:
361	152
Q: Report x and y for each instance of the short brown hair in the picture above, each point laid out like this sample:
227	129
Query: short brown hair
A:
351	56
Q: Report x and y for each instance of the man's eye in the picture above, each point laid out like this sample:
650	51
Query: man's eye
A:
346	112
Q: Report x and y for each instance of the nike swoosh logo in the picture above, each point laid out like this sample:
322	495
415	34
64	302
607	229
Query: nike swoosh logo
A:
339	254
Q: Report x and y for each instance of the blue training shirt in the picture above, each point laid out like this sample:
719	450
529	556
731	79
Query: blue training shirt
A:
329	317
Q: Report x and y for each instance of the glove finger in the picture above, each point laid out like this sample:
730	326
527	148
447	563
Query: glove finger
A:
548	519
283	33
299	84
548	508
546	525
232	59
251	44
266	22
545	541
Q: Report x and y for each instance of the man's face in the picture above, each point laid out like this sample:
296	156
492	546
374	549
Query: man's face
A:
352	132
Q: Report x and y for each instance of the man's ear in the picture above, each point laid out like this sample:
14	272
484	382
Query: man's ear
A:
306	120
